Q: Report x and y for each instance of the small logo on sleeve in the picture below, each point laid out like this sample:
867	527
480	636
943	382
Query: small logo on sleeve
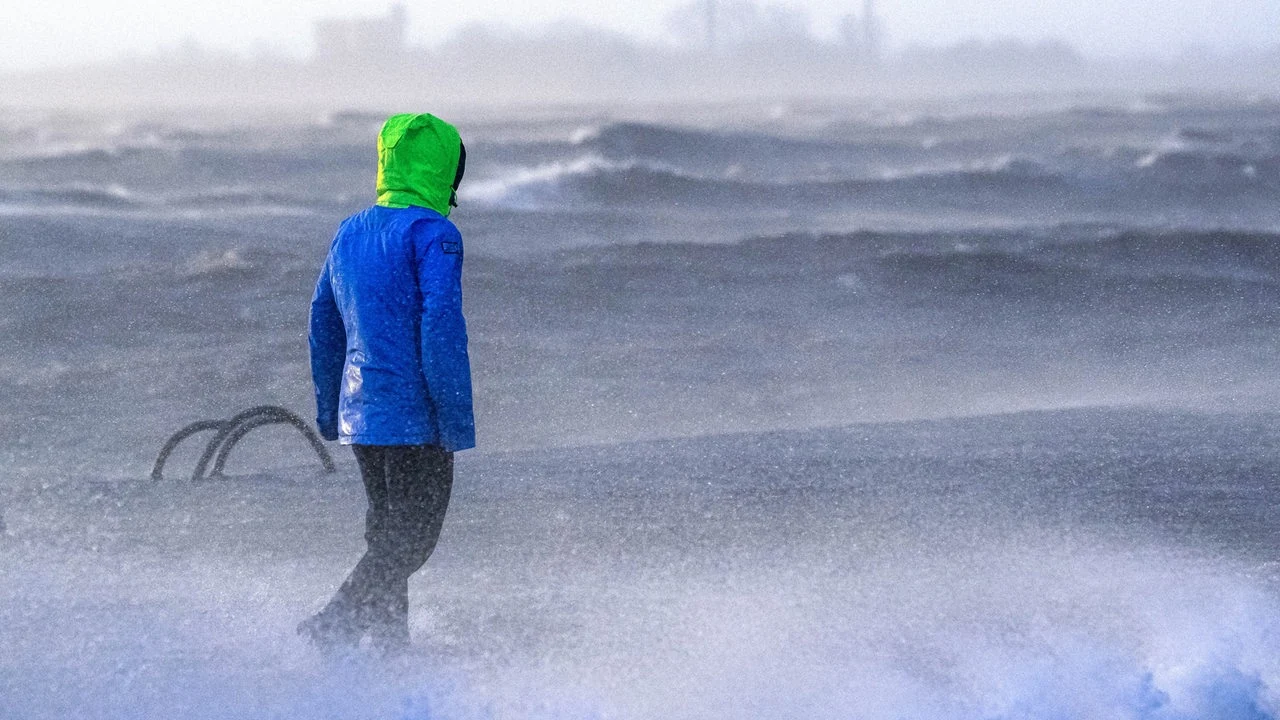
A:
452	247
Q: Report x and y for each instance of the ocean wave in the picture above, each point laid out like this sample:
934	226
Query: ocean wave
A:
1220	254
595	179
1003	183
529	186
194	163
1232	276
79	197
641	140
1204	135
1190	157
246	196
766	155
80	194
86	155
1194	168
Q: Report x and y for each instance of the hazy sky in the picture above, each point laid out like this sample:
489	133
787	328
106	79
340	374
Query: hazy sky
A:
36	33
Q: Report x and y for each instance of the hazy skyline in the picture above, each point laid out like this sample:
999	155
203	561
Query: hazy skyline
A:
68	32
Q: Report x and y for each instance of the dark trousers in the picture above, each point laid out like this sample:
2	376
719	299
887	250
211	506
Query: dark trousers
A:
408	488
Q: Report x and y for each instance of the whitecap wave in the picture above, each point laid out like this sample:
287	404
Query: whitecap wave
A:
531	187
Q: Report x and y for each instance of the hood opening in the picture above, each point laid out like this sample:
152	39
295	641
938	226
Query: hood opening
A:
457	178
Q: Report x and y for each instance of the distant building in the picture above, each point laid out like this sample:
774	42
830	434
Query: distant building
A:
865	35
710	10
872	33
362	39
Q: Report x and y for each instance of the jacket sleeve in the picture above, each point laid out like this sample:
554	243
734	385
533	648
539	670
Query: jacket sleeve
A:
328	340
446	366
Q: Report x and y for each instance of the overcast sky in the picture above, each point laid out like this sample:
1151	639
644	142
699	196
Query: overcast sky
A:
35	33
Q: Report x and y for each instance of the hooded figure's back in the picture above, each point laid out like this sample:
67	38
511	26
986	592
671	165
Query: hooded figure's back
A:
388	340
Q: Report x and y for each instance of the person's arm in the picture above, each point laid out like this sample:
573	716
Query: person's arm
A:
328	339
445	364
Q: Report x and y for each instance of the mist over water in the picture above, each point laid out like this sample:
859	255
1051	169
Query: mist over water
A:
900	410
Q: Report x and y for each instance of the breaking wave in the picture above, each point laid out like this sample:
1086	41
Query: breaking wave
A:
681	145
84	195
79	197
596	179
638	163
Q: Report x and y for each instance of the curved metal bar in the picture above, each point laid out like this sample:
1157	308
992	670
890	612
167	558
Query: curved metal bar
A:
261	415
157	471
237	433
216	442
244	428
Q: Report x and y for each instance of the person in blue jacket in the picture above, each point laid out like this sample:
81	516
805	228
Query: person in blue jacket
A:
391	371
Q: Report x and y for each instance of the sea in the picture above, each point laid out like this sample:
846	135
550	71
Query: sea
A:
882	409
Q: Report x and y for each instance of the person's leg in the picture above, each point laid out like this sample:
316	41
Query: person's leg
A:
346	617
373	471
419	481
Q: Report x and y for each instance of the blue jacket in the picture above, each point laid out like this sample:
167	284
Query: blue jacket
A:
388	340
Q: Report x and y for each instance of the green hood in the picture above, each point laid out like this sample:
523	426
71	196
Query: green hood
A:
418	159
